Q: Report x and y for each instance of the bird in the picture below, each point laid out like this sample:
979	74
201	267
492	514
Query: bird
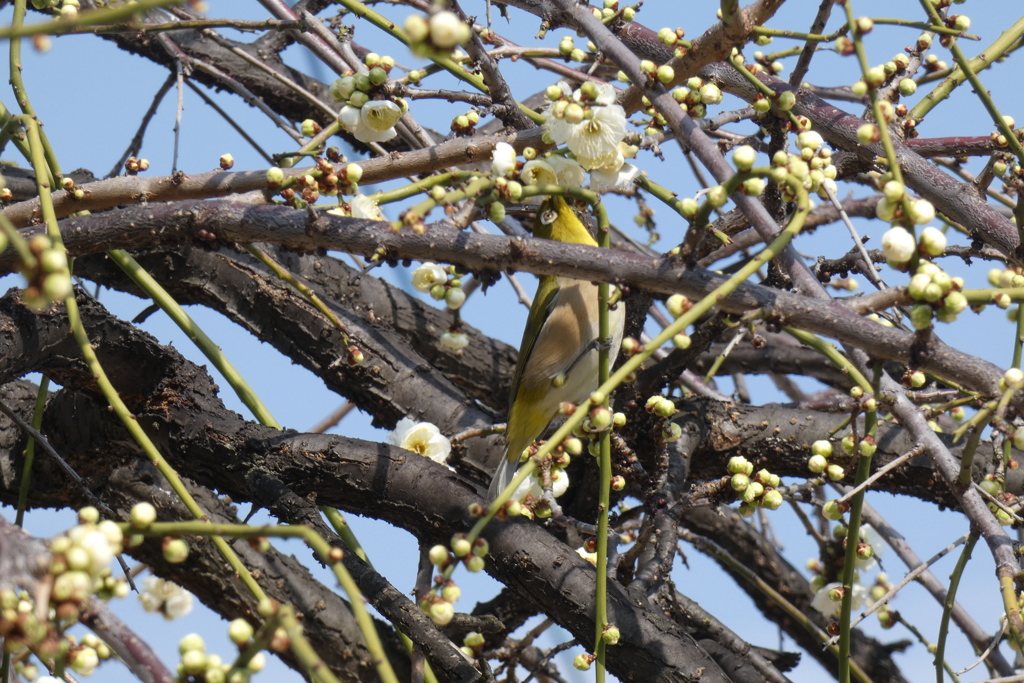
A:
558	356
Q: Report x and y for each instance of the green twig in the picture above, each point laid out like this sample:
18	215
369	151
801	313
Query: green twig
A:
947	604
1006	40
207	346
30	451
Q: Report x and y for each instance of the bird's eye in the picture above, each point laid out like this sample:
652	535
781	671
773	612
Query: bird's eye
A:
548	217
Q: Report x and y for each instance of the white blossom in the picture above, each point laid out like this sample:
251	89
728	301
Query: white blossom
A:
503	159
605	92
427	276
594	137
538	172
595	141
831	608
559	484
165	597
423	438
355	122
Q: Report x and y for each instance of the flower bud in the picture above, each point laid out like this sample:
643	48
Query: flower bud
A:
744	157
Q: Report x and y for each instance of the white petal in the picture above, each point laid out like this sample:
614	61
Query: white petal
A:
179	604
824	604
503	159
349	118
605	93
401	429
601	179
365	133
364	207
568	172
558	129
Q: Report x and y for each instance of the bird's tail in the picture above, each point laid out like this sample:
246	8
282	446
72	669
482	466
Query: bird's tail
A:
502	477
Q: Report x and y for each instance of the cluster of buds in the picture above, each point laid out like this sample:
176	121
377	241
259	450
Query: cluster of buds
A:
1010	278
995	486
671	38
937	294
68	185
464	125
80	563
472	644
876	77
998	138
442	32
22	628
325	179
1001	167
64	9
439	605
763	62
610	11
441	282
886	616
370	113
754	490
694	98
744	158
812	166
133	166
934	289
818	463
895	206
49	279
665	409
84	656
567	48
197	665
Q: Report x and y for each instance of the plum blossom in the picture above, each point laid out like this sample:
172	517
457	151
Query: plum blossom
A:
595	135
166	597
373	122
831	608
427	276
553	170
423	438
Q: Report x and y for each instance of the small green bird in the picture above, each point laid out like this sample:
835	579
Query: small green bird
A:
559	352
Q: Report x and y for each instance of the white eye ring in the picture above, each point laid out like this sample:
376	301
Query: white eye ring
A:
548	217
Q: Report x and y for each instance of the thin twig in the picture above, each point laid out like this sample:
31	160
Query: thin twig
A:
135	146
882	471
